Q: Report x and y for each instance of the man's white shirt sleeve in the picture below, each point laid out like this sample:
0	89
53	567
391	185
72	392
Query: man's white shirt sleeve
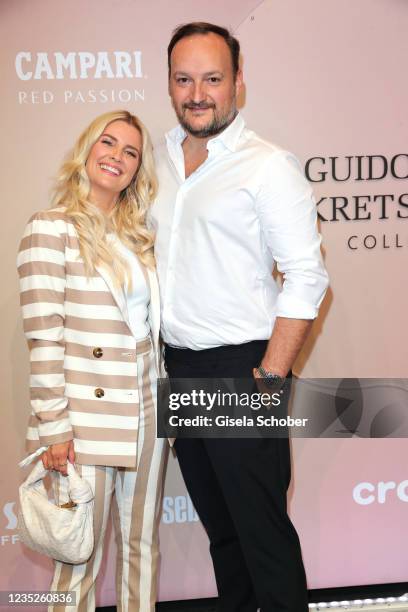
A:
287	210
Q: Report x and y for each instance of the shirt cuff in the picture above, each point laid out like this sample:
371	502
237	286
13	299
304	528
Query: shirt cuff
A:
292	307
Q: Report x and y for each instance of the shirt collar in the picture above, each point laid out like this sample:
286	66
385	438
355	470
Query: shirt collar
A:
228	138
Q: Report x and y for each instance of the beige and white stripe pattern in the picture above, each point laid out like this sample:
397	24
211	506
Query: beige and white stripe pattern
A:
91	381
135	496
84	358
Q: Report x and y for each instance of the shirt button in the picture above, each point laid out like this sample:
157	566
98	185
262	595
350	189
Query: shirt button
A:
99	392
97	352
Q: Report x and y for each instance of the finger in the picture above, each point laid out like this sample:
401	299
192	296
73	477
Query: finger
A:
62	462
49	460
56	454
63	470
44	460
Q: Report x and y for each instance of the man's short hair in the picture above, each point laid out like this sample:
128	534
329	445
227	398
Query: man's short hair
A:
201	27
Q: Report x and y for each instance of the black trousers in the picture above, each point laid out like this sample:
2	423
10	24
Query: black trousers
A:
238	487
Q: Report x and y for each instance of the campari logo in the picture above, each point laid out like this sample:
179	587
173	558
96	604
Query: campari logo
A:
79	65
41	72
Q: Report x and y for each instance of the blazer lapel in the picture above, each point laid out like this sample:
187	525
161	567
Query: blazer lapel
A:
154	313
117	292
154	310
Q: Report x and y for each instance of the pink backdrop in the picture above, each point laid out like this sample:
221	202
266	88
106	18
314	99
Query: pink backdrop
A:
323	79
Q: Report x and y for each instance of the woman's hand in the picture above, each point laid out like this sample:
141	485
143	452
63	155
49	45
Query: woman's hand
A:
57	456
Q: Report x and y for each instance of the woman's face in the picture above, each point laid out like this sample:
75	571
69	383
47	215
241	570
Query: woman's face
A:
114	159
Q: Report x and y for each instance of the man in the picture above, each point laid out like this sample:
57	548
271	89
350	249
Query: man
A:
229	206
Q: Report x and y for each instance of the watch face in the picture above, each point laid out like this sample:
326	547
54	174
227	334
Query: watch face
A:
275	380
270	379
269	375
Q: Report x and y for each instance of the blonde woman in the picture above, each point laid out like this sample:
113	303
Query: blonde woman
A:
90	305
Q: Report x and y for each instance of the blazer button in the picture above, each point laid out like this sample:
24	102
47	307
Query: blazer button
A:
97	352
99	392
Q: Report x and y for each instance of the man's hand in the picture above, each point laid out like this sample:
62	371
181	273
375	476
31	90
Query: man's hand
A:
57	456
287	339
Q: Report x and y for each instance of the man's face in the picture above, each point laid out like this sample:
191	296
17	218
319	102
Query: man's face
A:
202	86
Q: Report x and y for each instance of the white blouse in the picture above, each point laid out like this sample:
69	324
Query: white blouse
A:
138	296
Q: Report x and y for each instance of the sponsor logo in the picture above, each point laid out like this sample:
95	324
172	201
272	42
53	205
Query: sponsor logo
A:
364	171
367	493
36	69
10	524
9	539
179	509
79	65
77	96
8	511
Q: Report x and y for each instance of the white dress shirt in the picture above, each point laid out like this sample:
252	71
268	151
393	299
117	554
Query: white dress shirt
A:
220	232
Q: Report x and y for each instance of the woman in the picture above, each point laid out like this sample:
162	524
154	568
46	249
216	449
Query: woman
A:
90	305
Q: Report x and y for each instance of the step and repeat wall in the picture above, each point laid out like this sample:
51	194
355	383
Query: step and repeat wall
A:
323	79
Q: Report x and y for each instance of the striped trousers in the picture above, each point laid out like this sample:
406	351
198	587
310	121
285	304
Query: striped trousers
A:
134	496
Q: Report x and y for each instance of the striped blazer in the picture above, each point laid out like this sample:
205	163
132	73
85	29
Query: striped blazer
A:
83	356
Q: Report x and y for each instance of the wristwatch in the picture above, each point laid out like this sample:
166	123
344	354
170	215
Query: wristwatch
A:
274	381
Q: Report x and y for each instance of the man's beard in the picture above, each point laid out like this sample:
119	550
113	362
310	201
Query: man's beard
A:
216	125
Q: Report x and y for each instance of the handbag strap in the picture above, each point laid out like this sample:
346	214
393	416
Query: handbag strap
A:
79	490
37	473
34	455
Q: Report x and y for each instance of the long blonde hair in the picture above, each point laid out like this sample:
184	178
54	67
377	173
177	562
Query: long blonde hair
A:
128	218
